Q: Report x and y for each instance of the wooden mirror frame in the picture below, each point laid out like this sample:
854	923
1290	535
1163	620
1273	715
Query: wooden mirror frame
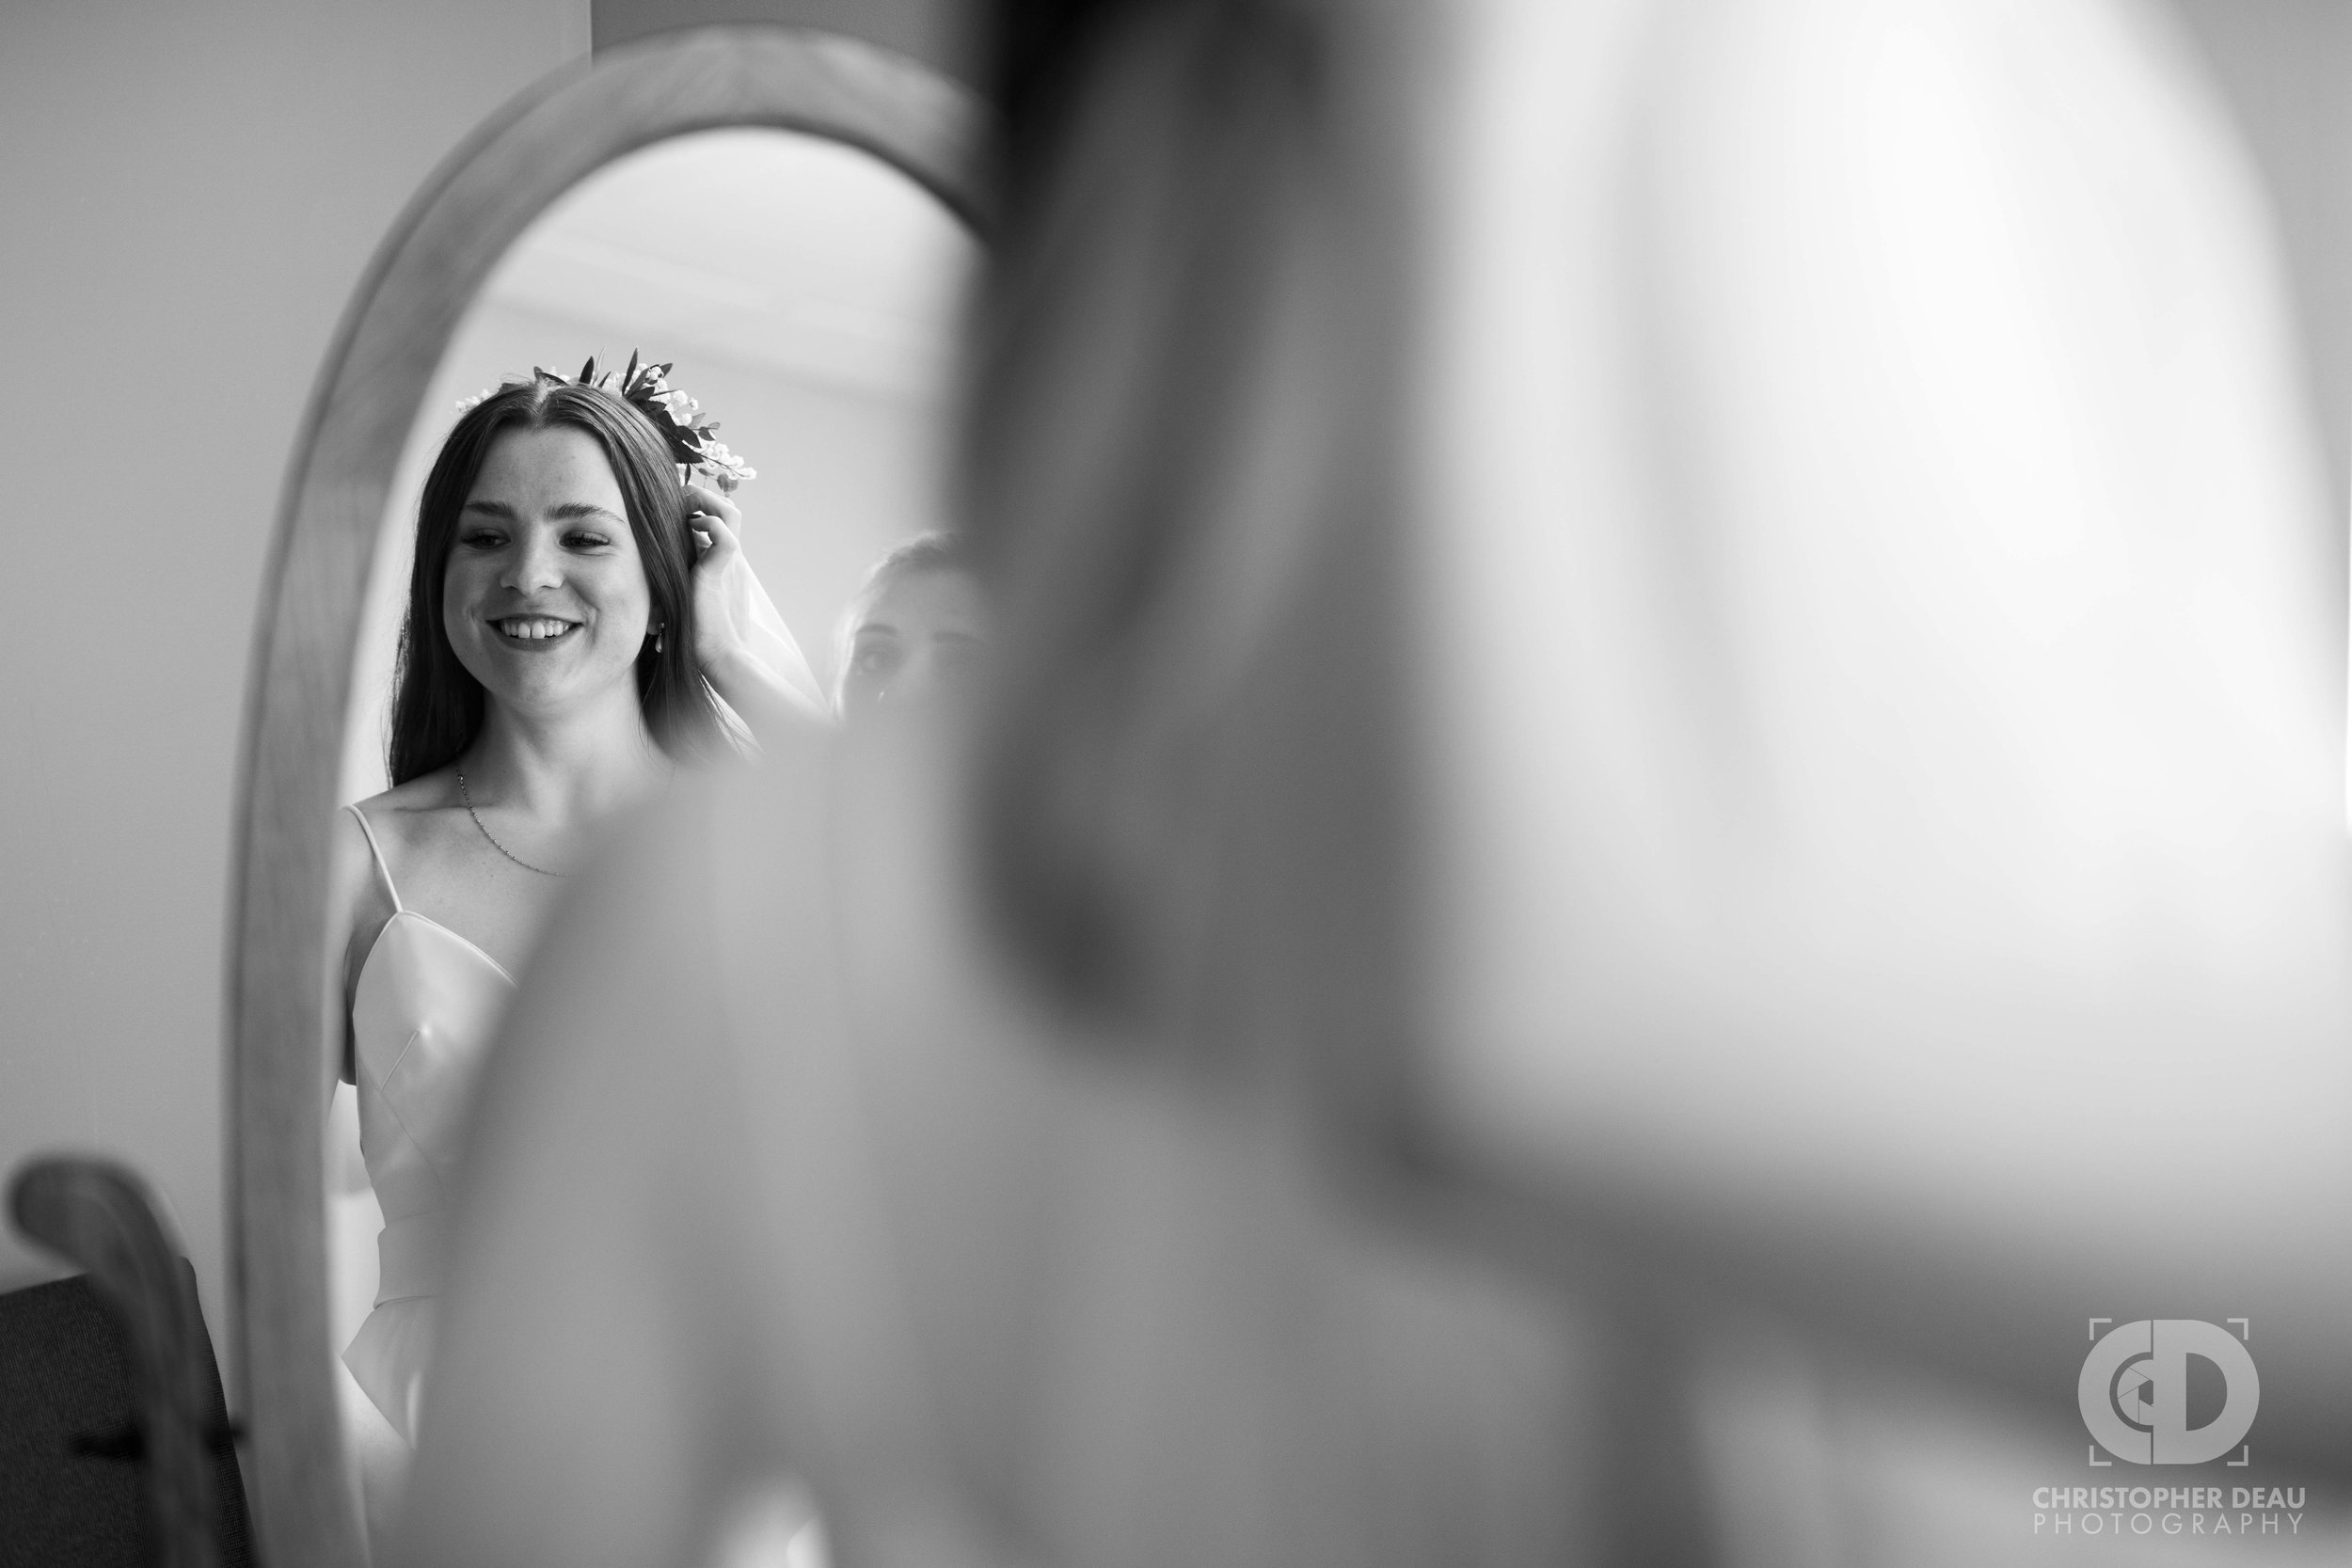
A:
408	304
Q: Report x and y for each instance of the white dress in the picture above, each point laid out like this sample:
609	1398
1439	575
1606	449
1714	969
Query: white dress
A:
423	1014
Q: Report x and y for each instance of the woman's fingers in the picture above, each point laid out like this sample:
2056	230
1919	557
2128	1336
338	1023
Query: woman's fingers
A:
715	518
703	499
722	592
722	545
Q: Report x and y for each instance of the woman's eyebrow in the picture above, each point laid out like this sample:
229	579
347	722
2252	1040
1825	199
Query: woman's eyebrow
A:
563	512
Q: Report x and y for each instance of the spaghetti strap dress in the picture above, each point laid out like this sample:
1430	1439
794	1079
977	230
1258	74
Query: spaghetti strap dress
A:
423	1014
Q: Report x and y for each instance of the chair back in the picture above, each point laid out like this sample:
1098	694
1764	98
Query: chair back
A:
147	1380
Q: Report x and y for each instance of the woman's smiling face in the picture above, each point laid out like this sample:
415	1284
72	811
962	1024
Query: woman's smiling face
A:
544	598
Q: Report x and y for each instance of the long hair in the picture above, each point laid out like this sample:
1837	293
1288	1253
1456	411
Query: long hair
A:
438	705
1179	477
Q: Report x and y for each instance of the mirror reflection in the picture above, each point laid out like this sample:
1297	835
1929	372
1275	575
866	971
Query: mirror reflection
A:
677	484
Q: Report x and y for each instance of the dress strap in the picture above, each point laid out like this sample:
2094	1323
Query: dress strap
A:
374	849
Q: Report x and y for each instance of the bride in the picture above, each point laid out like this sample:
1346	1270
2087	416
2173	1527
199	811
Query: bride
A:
577	613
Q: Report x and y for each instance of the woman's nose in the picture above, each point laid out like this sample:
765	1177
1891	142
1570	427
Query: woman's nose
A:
910	683
535	563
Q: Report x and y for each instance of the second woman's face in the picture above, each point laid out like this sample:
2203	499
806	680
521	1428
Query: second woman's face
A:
922	638
544	598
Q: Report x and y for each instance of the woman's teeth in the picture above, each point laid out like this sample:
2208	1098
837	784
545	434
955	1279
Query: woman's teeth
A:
530	631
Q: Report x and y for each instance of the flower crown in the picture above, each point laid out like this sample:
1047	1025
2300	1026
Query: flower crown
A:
677	417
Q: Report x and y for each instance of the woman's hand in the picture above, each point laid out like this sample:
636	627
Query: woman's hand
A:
722	582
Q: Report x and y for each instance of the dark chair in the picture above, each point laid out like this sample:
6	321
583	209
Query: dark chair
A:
115	1443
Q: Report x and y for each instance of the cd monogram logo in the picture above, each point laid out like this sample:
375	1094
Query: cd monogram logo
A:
2133	1392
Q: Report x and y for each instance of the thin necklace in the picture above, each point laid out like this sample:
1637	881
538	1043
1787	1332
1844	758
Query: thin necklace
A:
494	838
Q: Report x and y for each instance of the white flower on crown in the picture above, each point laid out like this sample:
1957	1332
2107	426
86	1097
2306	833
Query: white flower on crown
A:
725	469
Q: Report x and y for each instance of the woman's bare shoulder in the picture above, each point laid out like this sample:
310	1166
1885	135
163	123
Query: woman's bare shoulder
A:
424	792
401	814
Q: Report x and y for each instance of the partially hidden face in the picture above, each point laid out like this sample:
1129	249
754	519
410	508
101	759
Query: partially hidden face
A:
544	598
920	637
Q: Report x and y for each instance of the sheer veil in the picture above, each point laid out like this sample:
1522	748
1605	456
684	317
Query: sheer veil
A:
773	645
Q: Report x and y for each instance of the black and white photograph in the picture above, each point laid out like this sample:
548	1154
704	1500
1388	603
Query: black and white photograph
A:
1176	783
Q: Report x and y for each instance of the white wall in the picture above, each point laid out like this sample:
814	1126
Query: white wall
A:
187	194
938	32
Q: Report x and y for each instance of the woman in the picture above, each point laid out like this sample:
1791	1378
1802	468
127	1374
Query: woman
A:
576	615
919	628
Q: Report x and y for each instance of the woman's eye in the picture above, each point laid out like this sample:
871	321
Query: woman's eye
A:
482	539
584	540
875	660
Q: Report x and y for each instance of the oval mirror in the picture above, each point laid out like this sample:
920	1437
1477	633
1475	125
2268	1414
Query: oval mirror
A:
786	217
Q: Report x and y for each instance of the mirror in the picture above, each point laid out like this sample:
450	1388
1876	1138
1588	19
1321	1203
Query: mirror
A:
806	294
787	217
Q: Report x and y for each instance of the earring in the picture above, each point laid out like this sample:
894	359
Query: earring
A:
657	640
